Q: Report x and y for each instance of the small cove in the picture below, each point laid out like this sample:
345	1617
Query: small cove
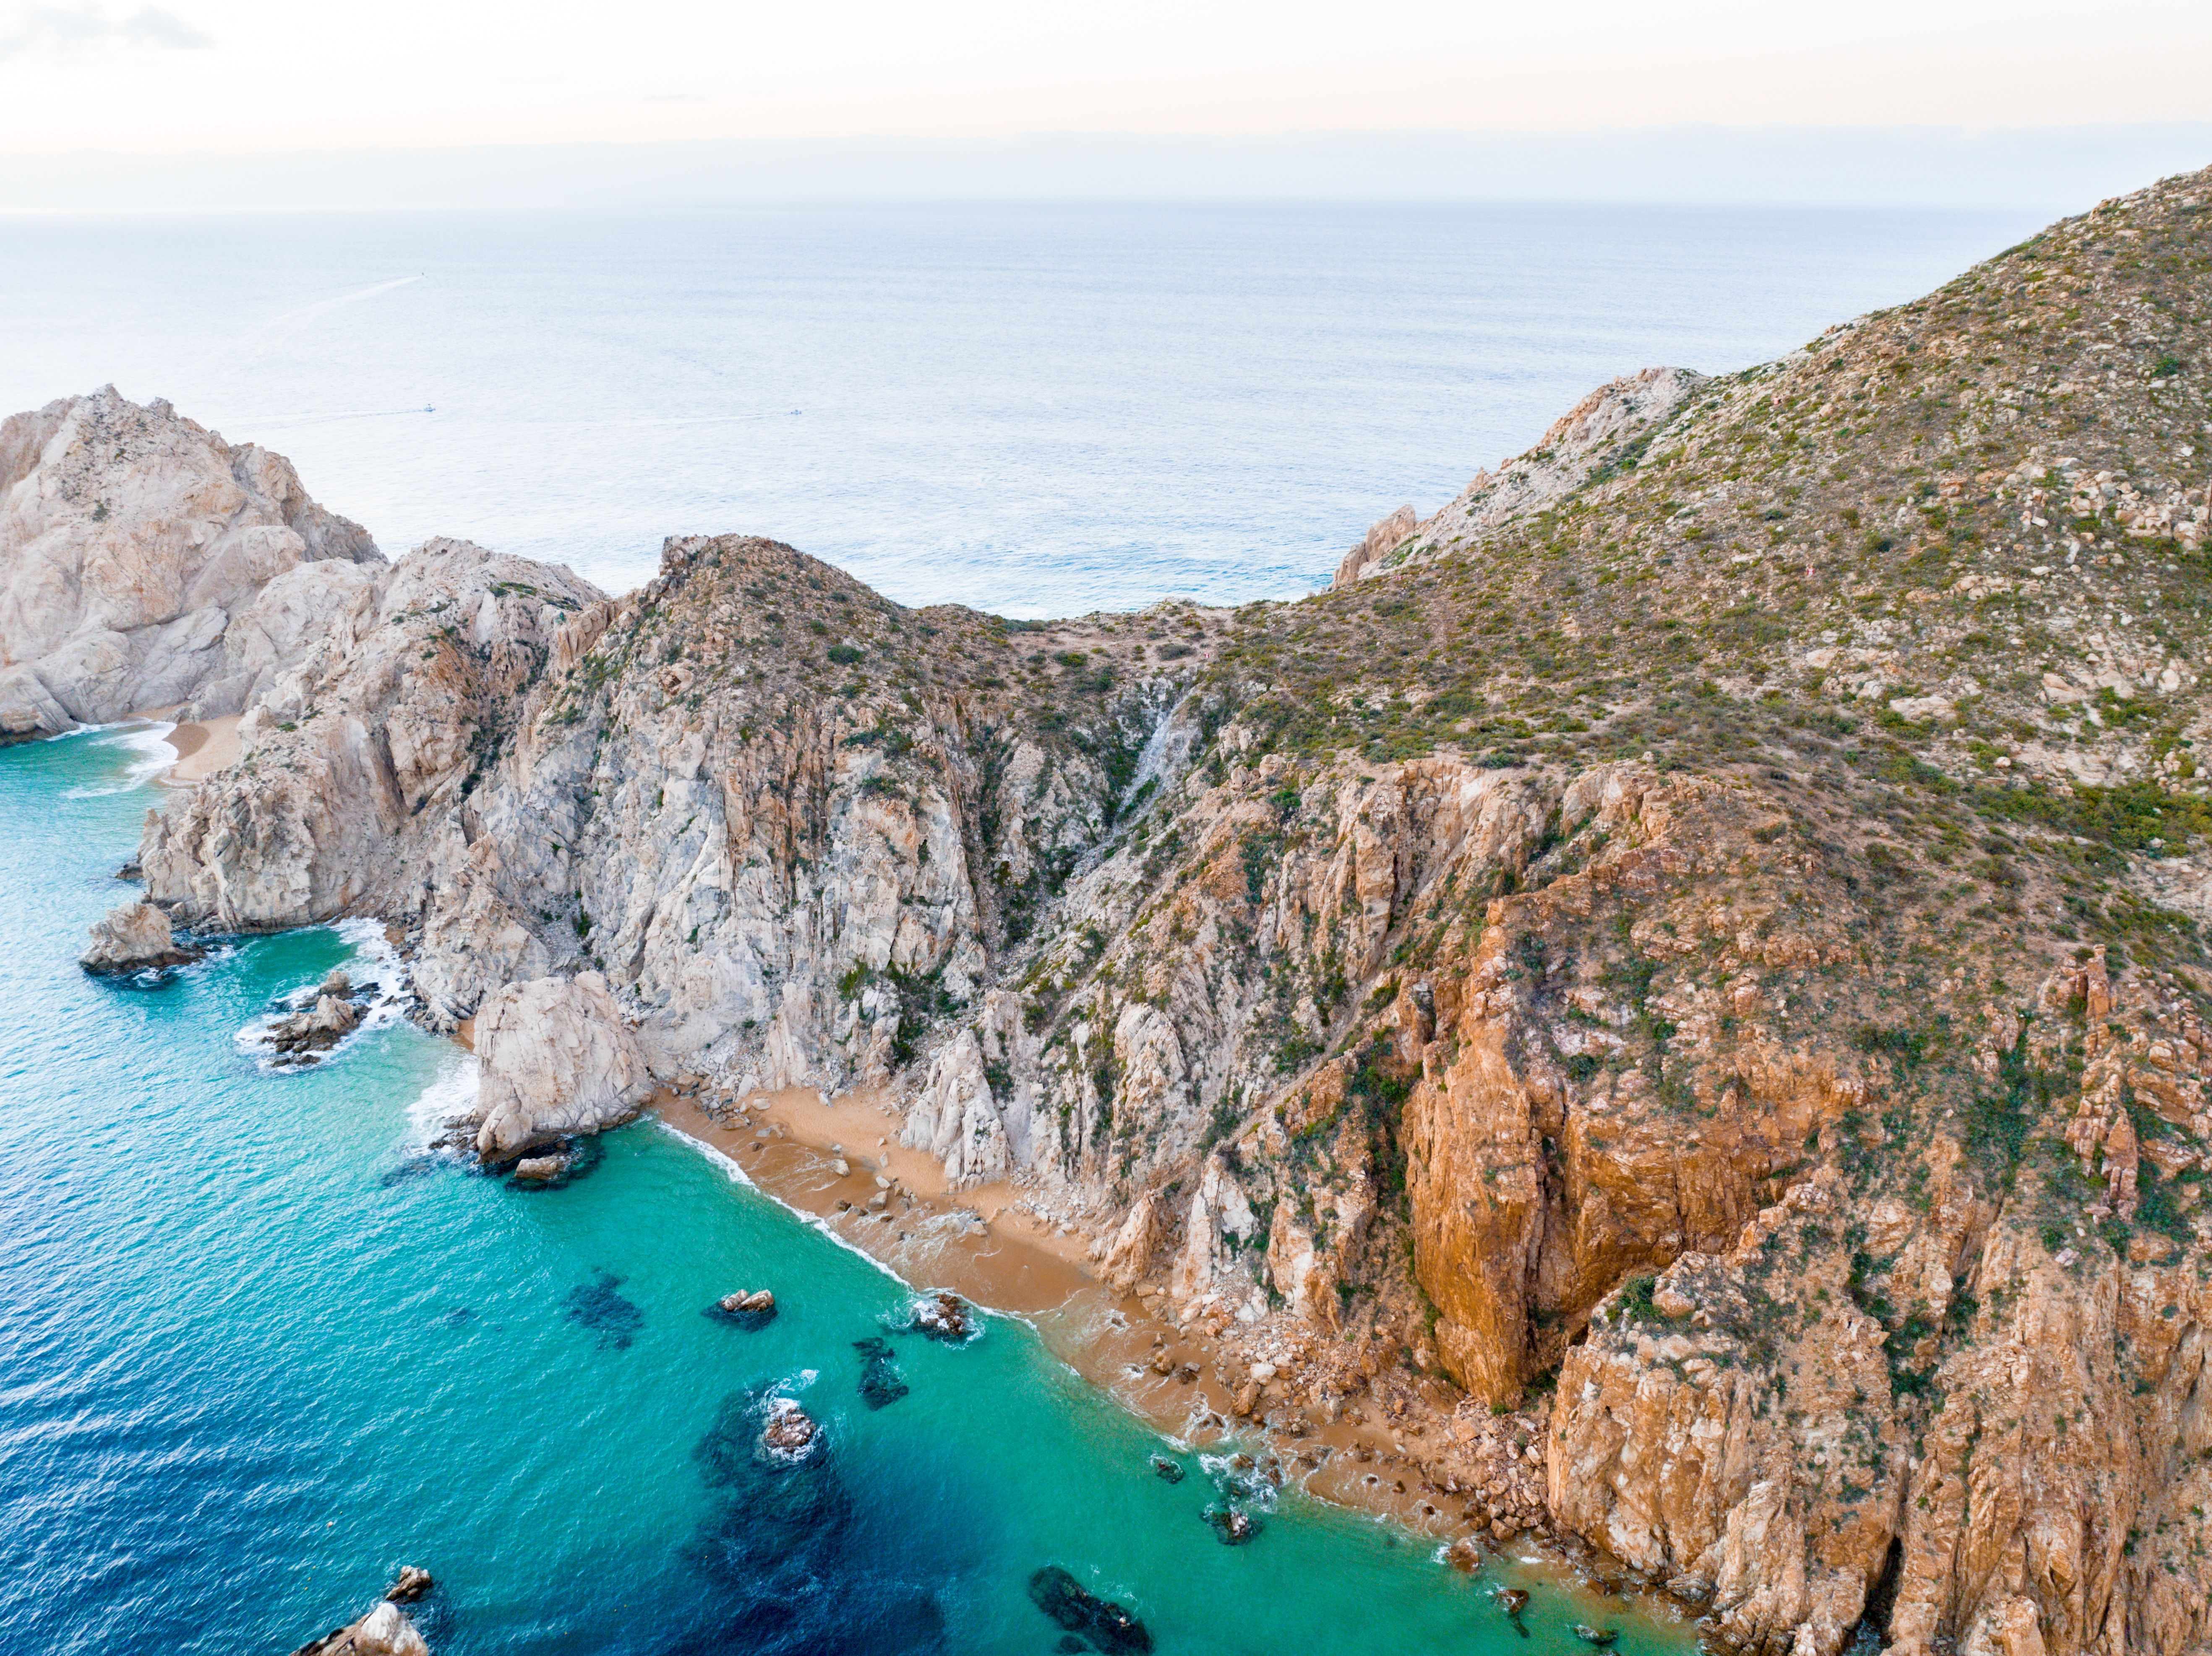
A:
259	1347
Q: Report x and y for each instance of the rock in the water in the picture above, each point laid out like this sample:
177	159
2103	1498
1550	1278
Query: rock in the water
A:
1598	1636
945	1318
146	562
317	1029
1512	1601
790	1433
132	938
384	1631
1106	1625
336	983
747	1308
557	1059
1232	1526
1464	1555
1168	1472
412	1583
540	1169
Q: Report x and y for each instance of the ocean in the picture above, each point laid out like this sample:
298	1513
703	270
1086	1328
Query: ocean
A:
260	1344
1035	411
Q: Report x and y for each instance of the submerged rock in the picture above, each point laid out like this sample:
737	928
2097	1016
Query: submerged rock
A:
596	1306
1106	1625
134	938
945	1318
880	1384
384	1631
1599	1637
1167	1470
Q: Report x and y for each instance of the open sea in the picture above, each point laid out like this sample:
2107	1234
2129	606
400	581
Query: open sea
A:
1035	410
259	1347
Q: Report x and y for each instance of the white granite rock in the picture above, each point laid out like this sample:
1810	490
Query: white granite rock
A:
137	553
558	1059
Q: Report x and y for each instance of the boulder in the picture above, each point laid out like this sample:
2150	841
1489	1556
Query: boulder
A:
945	1318
790	1433
412	1583
558	1059
132	938
753	1304
384	1631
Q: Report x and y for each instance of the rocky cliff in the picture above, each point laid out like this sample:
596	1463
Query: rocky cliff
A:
1703	943
145	562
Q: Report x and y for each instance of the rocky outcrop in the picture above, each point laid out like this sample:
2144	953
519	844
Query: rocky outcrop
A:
558	1059
1377	544
384	1631
1605	435
144	562
132	938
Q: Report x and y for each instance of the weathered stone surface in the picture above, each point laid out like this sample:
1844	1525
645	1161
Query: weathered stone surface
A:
558	1059
133	938
384	1631
145	562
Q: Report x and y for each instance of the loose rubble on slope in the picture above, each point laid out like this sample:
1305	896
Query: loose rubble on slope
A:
1698	949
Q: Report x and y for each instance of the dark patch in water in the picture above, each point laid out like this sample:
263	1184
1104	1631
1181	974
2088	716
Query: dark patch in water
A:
415	1166
605	1313
880	1384
790	1558
1069	1643
1168	1472
458	1316
1232	1526
1104	1623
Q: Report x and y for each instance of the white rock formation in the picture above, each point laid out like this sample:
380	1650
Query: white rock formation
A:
558	1059
144	562
132	937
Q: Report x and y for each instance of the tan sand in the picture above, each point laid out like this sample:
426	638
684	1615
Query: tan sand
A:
203	748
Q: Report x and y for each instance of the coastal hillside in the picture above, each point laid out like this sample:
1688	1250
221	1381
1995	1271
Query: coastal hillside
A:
1702	943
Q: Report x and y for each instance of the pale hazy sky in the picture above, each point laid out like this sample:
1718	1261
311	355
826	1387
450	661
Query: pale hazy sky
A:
294	75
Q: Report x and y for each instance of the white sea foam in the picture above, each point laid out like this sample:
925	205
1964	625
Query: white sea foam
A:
450	1097
374	966
151	754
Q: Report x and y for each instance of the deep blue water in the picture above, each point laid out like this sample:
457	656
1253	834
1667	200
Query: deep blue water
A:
257	1350
1037	411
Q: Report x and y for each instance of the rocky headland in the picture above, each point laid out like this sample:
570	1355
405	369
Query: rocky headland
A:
1678	986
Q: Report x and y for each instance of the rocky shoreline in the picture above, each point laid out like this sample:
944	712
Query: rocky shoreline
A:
1693	965
1469	1481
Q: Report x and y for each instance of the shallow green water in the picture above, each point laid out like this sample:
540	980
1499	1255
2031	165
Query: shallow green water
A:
257	1348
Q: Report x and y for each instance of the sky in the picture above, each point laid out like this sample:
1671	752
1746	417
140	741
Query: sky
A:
233	76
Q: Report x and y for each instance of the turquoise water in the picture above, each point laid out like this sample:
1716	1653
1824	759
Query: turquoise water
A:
259	1348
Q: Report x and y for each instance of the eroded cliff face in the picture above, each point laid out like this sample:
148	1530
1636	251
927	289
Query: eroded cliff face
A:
1708	953
145	562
